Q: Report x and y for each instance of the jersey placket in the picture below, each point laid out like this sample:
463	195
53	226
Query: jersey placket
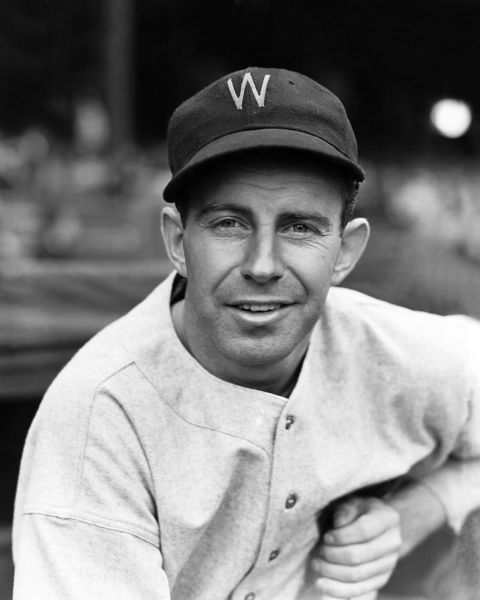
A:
290	529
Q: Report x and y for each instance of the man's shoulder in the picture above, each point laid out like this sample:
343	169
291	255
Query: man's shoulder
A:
357	307
120	346
374	325
95	362
99	409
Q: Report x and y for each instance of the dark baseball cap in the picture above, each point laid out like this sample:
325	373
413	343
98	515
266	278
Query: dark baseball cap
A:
258	108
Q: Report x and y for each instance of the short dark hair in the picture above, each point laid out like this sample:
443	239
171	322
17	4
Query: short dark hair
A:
350	194
343	176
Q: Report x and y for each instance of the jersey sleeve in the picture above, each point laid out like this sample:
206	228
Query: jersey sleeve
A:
68	558
85	522
457	482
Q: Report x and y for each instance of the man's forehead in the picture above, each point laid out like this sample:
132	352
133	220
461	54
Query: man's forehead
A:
267	190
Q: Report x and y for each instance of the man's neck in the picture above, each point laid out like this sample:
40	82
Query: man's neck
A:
279	378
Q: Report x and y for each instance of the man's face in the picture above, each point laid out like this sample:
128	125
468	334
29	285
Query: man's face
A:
260	243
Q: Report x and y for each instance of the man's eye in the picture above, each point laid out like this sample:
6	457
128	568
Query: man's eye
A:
299	228
227	223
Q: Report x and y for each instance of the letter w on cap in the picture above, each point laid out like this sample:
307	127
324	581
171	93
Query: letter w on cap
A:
259	97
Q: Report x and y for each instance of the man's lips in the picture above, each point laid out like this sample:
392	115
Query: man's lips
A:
259	306
255	312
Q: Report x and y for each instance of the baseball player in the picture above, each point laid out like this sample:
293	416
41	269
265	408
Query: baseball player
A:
251	430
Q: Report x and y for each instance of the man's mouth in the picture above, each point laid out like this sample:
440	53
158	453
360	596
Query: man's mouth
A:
259	312
258	307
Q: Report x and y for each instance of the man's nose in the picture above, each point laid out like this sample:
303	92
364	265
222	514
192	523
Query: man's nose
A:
263	261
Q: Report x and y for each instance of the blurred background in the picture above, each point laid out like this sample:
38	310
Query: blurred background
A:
86	90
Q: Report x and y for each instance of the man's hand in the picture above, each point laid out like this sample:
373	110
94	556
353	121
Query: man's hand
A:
358	555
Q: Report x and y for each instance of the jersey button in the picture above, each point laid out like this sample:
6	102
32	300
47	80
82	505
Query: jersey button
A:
291	501
250	596
289	421
274	554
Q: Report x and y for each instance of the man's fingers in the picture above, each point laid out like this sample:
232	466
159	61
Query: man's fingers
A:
347	512
360	553
349	591
388	542
369	596
367	526
356	573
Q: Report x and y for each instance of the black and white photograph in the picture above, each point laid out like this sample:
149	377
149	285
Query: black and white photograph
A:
240	300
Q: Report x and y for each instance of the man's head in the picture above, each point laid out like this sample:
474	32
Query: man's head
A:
262	232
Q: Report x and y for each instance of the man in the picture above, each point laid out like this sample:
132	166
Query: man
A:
248	413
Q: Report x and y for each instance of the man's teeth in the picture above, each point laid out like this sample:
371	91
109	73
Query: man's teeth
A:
259	307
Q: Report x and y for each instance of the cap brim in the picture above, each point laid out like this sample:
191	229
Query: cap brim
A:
255	139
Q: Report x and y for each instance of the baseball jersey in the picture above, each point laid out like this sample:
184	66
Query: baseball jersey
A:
145	477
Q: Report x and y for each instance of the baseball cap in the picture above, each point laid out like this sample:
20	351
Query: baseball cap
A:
258	108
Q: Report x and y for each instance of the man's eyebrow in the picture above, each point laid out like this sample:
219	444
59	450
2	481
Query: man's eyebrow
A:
224	206
314	217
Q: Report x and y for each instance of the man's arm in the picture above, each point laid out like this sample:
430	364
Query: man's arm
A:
421	513
63	558
369	535
445	497
449	494
85	520
359	554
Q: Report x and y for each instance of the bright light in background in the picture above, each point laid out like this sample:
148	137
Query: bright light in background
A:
451	118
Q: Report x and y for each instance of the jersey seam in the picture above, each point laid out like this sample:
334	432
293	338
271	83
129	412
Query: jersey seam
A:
144	452
87	429
133	362
90	519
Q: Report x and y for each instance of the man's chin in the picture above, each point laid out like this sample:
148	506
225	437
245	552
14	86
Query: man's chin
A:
258	353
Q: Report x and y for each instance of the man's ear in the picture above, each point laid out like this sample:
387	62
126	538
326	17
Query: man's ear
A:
354	239
172	231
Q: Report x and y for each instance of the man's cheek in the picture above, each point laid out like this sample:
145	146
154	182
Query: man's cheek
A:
312	272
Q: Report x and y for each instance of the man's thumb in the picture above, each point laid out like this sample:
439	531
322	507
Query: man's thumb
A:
347	512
